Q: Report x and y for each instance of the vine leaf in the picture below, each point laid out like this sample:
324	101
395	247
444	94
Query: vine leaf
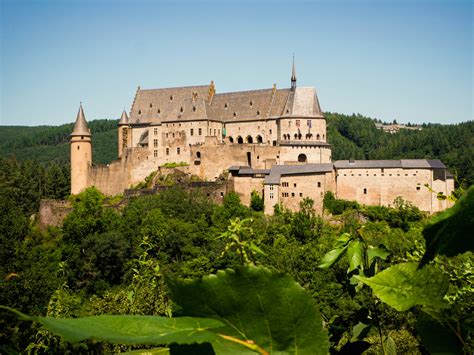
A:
451	232
258	306
130	330
402	286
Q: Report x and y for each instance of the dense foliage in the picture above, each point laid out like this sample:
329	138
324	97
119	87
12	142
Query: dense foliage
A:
106	260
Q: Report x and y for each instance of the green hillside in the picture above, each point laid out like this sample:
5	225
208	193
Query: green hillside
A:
351	136
46	144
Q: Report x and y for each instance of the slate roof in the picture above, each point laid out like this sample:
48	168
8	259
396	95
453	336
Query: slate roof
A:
80	127
378	164
277	171
196	103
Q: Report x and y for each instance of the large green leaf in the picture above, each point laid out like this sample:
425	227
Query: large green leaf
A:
452	232
332	257
402	286
436	337
355	254
257	305
131	330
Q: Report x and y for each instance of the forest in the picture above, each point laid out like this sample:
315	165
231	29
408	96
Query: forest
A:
137	276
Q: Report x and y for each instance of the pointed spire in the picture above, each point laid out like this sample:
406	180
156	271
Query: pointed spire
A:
124	118
293	74
80	127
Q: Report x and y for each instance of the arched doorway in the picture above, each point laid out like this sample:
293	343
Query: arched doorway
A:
249	139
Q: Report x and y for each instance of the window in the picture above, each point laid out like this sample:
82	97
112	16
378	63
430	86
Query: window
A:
271	194
167	151
171	98
235	114
194	108
198	155
166	135
271	187
155	153
292	194
270	131
178	150
284	184
226	106
365	191
251	103
258	113
294	185
155	131
155	143
319	184
173	134
418	188
139	112
301	194
200	131
151	105
181	109
302	158
215	131
159	111
191	132
231	140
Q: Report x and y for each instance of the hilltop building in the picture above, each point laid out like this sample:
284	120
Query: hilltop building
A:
271	140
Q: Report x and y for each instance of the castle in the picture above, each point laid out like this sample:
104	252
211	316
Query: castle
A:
272	141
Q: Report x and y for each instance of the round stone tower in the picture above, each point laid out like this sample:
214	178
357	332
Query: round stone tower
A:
81	153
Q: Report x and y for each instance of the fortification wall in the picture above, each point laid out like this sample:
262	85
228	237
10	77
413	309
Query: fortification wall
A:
53	212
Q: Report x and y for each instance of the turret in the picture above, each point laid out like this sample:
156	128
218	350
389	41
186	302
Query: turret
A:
81	153
123	133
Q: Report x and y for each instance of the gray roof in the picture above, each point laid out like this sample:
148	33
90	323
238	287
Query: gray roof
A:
80	127
123	118
378	164
245	170
202	103
277	171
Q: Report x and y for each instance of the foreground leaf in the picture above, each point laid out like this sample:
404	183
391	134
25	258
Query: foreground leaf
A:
402	286
436	337
451	232
258	306
331	257
131	330
355	254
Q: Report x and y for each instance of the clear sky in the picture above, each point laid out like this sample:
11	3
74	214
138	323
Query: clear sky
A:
408	60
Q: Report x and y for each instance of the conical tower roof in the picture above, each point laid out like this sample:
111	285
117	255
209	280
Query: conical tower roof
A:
80	127
293	71
124	118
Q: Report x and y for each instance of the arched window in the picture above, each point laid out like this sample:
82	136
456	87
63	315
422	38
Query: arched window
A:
198	155
181	109
318	137
240	140
300	135
194	108
249	139
139	112
259	139
151	105
231	140
302	158
296	136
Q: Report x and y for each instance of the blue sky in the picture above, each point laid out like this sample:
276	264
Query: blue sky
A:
405	60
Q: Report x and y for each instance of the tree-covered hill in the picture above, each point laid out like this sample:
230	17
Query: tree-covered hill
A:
351	136
45	144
